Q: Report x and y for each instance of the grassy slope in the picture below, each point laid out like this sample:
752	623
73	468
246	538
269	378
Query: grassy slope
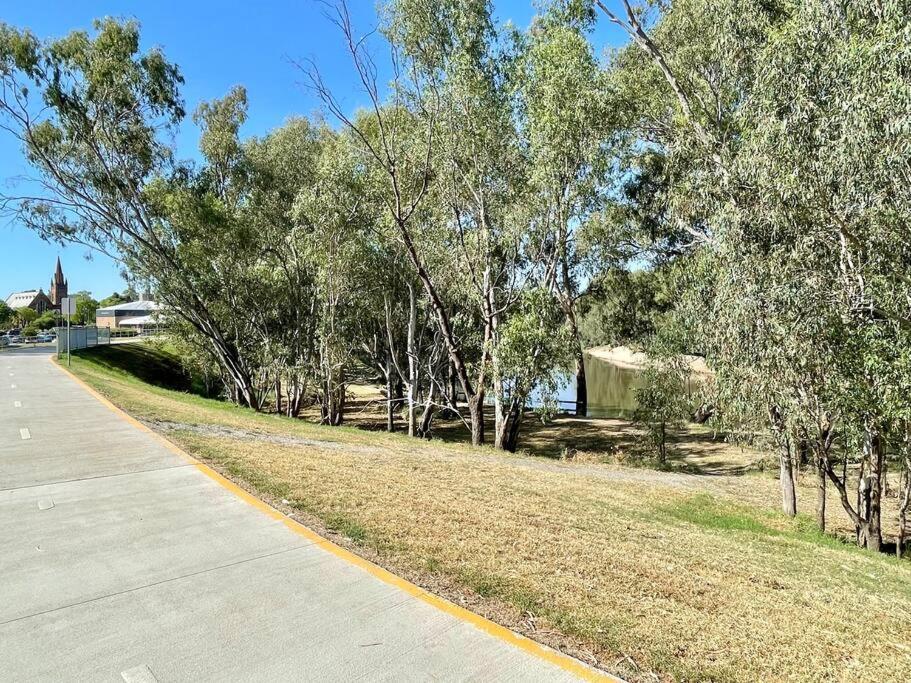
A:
646	575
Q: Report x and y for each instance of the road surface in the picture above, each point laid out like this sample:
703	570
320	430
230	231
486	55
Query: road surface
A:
122	561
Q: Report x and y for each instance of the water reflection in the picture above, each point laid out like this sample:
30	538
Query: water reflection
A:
611	389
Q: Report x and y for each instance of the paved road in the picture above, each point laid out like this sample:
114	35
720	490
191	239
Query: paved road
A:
121	561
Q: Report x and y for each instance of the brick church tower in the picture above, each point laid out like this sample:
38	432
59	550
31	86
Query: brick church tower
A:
58	286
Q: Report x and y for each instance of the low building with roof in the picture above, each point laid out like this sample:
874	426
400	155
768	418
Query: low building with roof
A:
138	315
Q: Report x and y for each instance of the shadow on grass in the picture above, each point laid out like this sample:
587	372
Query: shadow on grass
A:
153	364
693	450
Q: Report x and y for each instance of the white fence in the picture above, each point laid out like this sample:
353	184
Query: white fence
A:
82	338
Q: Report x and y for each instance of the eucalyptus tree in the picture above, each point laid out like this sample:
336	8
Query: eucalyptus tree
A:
829	122
535	349
444	130
468	70
333	243
95	117
403	154
799	194
281	164
566	128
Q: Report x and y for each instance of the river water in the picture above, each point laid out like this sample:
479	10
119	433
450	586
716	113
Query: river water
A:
611	389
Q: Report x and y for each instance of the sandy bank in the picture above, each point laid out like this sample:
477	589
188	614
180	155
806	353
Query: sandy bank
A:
636	360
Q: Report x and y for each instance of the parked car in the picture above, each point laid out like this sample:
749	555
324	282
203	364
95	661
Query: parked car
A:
44	338
15	339
15	332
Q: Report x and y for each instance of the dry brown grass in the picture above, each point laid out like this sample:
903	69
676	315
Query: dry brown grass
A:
690	577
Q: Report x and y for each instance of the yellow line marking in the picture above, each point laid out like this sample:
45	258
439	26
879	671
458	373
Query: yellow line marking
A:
527	645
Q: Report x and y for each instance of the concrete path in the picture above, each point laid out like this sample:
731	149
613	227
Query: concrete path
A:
121	561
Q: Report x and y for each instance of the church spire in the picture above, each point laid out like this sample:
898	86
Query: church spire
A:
58	286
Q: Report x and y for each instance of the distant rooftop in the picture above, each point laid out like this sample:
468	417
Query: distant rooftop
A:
22	299
139	320
130	306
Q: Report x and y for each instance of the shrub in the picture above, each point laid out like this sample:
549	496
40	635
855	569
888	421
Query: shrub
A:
662	401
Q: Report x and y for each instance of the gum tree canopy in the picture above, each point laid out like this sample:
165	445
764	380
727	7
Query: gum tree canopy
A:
95	117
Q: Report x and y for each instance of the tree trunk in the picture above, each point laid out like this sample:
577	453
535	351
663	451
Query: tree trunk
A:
581	385
244	392
703	413
399	393
295	396
453	388
904	501
278	395
474	396
786	473
501	417
902	523
500	423
902	532
476	412
412	384
785	465
390	400
820	494
517	410
452	393
427	416
874	454
412	414
340	405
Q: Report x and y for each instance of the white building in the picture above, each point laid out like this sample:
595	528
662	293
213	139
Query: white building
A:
137	315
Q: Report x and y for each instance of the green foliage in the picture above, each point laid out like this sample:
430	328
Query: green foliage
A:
534	347
7	314
85	309
627	307
118	298
47	320
26	315
30	330
662	401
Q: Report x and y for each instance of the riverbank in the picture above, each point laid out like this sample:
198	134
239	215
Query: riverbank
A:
625	357
674	575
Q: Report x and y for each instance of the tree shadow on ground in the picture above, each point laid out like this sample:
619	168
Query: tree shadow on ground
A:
695	449
145	362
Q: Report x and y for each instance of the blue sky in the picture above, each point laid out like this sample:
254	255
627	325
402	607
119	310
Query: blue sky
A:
217	44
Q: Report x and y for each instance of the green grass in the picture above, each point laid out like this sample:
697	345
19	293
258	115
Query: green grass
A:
150	363
707	512
341	523
712	513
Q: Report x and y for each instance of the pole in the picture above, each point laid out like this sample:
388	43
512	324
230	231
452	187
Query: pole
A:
69	350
